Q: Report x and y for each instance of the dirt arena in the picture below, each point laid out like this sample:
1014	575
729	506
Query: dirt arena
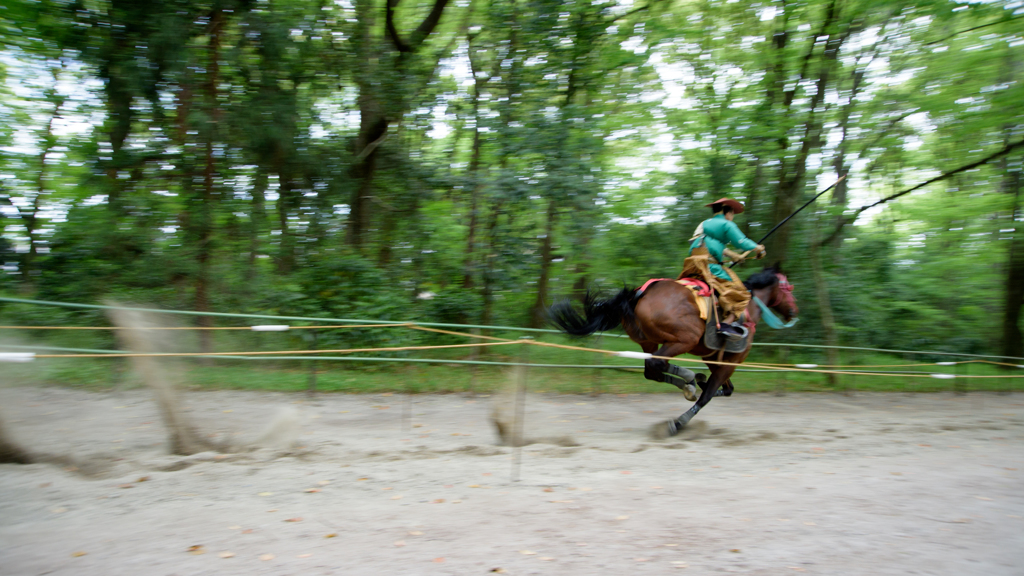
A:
816	484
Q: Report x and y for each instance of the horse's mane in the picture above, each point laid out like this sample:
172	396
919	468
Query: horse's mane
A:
762	279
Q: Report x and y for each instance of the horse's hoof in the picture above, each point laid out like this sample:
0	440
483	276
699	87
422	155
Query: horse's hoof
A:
663	430
689	392
674	427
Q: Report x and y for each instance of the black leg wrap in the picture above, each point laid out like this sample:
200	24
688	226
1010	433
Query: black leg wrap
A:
723	392
653	370
688	415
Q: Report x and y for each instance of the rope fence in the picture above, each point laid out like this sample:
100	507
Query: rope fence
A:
92	353
385	323
490	341
255	328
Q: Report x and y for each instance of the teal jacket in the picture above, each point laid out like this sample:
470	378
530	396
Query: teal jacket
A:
719	233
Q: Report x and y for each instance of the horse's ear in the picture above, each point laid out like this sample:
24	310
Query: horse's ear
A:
777	267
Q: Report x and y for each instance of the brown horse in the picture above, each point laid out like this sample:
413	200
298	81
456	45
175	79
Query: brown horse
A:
665	321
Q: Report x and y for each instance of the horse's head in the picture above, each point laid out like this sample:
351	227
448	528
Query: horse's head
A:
782	299
779	295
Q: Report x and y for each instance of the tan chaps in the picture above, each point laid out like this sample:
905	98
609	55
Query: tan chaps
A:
733	296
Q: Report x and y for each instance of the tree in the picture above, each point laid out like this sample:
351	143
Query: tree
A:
392	72
323	158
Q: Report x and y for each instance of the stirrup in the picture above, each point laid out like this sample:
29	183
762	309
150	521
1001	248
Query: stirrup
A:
740	335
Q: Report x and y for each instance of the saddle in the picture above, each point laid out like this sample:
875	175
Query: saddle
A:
702	293
704	296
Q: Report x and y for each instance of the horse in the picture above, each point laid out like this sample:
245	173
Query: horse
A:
665	321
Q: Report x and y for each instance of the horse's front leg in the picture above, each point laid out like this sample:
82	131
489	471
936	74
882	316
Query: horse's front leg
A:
719	375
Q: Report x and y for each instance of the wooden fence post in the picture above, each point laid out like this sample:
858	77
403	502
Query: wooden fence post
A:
780	386
597	386
520	409
311	379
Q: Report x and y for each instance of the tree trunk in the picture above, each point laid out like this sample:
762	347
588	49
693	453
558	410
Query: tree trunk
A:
204	252
378	100
31	219
791	176
389	221
373	129
474	197
1013	342
582	271
538	313
487	290
286	200
828	323
372	124
775	86
839	195
756	183
470	263
119	107
510	81
785	202
257	222
791	173
581	267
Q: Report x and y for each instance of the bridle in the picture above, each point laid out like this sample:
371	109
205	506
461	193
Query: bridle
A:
783	295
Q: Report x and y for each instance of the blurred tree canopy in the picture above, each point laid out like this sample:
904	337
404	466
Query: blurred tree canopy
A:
473	160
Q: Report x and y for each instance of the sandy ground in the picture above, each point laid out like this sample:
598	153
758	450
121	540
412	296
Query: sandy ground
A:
820	484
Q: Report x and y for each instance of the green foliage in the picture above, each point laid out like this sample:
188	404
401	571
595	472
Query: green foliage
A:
299	158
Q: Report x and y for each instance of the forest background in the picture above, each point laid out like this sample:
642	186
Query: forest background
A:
472	161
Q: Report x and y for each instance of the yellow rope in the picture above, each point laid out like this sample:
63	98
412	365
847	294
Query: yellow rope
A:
531	342
819	369
404	325
918	364
275	352
756	365
481	336
1010	364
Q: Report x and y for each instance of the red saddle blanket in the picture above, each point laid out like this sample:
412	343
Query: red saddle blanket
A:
702	288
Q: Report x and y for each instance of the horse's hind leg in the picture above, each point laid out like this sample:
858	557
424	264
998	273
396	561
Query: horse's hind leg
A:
685	380
659	370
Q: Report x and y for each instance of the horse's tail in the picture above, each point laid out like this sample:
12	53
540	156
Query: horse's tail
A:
598	315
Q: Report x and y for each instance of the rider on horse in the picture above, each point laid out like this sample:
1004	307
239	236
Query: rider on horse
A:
708	252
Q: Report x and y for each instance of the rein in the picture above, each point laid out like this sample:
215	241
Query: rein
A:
771	319
783	295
